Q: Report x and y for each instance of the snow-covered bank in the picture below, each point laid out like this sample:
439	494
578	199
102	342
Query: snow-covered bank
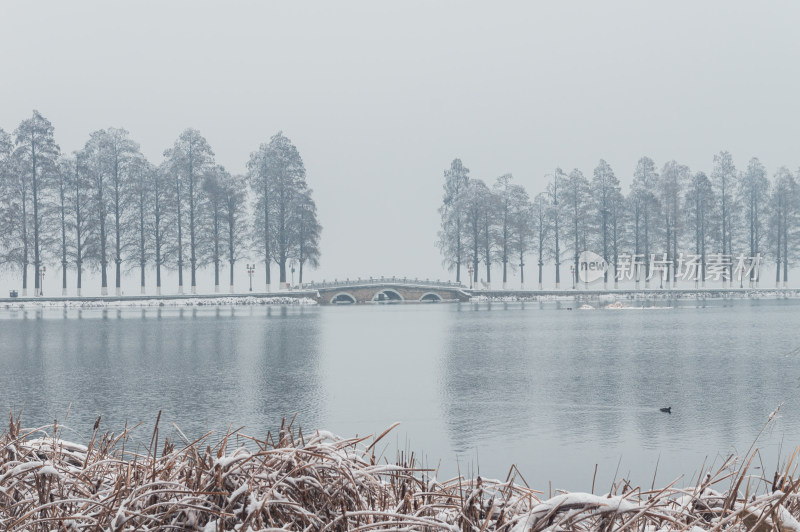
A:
318	481
631	295
157	302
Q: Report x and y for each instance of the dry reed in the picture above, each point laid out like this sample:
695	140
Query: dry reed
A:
322	482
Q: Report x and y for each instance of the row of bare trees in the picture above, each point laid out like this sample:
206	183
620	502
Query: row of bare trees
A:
728	214
107	205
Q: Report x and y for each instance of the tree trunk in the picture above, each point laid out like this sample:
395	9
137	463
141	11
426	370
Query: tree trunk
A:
180	246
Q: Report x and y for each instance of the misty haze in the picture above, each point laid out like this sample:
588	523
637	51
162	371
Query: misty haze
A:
409	266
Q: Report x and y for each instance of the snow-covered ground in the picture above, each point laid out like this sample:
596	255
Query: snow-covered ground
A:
156	302
640	295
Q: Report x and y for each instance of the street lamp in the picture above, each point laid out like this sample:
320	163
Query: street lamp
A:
291	264
251	268
41	281
470	271
741	277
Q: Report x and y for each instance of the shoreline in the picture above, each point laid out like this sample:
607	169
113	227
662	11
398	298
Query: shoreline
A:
652	294
312	297
20	303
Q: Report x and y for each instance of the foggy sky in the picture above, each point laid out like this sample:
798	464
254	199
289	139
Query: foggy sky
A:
379	97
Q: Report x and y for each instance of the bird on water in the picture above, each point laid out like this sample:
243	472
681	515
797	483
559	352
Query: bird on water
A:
667	409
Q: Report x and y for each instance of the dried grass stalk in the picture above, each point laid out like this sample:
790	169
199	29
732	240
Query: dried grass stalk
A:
329	483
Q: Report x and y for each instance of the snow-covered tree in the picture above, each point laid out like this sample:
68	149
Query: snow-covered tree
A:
753	194
645	210
723	178
698	206
670	184
576	198
783	222
606	197
308	230
36	156
190	159
277	175
235	220
450	243
542	226
555	191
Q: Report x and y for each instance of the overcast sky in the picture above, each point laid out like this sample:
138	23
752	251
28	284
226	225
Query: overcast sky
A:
379	97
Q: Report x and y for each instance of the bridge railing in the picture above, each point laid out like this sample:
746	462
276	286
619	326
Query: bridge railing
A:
336	283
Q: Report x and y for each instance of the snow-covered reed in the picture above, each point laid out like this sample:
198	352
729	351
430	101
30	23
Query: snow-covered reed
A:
319	481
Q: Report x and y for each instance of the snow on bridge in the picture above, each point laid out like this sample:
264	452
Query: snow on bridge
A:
387	290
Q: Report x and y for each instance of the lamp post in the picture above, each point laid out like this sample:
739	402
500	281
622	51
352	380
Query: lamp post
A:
470	271
251	268
741	277
572	274
291	265
41	280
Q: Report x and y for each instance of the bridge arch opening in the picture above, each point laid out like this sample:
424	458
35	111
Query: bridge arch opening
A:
388	296
343	298
431	297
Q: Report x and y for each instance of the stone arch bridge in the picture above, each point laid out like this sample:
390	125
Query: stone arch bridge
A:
387	290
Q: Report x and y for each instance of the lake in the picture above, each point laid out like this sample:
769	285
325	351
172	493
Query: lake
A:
476	387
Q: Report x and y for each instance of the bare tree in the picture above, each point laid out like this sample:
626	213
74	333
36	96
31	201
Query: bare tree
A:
542	226
645	180
521	229
36	154
450	234
258	173
473	203
554	189
84	242
783	212
235	218
66	170
7	199
753	193
214	186
489	235
605	196
670	183
164	228
618	221
576	198
142	174
95	167
699	204
277	174
120	154
308	231
723	177
190	159
506	194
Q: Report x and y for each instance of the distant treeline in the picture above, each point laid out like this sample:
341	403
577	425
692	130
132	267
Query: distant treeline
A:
731	214
107	204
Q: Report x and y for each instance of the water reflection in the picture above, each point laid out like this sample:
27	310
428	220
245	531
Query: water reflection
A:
203	368
480	396
553	390
586	387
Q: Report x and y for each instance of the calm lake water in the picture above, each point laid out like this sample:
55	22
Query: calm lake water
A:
475	386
